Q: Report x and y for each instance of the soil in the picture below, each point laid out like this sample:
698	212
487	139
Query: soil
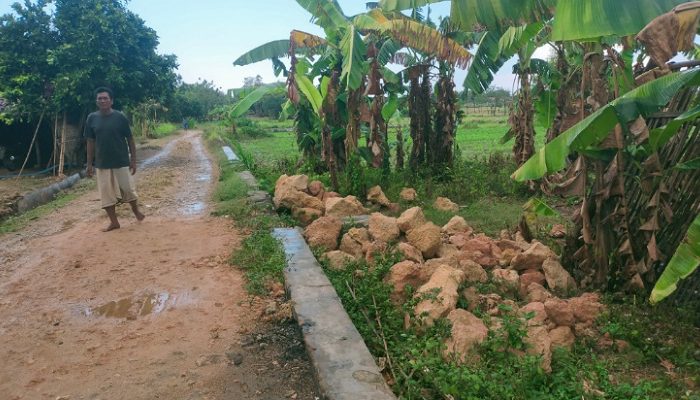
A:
152	310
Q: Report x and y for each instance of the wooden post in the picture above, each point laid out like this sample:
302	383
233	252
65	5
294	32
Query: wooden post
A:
63	146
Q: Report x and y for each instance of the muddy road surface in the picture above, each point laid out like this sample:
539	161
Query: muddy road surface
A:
149	311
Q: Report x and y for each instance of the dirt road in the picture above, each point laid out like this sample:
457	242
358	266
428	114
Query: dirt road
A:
149	311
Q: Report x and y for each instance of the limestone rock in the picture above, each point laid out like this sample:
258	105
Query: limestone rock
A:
316	189
305	216
447	251
410	253
528	277
445	204
540	344
410	219
425	238
586	307
442	292
537	292
539	313
383	228
344	207
533	257
354	240
408	194
405	273
473	272
558	279
562	336
467	332
338	260
457	225
559	312
506	279
324	232
376	195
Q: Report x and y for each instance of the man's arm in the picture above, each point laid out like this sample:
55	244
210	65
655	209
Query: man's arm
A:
90	155
132	154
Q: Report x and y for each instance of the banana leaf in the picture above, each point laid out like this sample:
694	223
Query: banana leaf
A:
390	107
643	101
353	49
400	5
310	92
588	20
274	49
244	105
683	263
326	13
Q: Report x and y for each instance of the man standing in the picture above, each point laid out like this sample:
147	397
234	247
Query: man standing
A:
108	133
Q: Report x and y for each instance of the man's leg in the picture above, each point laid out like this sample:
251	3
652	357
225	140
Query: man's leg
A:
135	208
113	222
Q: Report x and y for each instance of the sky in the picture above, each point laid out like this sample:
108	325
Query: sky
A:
208	35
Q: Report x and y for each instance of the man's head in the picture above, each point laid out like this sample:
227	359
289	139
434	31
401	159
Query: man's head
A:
103	97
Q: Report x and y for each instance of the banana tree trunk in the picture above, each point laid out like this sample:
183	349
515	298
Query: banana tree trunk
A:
419	113
442	144
522	120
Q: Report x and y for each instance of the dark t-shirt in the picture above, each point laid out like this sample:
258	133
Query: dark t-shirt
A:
110	133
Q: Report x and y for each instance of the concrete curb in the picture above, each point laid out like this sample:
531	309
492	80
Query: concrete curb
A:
344	367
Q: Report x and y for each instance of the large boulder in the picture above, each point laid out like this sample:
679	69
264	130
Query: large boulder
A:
457	225
533	257
540	344
344	207
291	198
528	277
324	232
445	204
376	195
507	280
468	331
558	279
473	272
410	219
410	253
439	294
305	216
562	336
559	312
296	182
586	307
338	260
403	274
425	238
354	242
316	189
383	228
408	194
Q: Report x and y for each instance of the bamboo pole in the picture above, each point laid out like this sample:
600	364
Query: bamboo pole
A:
62	155
36	131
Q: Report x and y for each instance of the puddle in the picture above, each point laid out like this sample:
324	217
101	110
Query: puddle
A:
193	209
131	307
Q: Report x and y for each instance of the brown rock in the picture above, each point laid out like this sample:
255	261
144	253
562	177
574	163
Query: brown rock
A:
435	262
507	257
296	182
445	204
505	244
316	189
558	279
354	240
471	295
562	336
403	274
539	314
393	208
383	228
306	216
291	198
559	312
410	219
376	195
410	253
528	277
329	195
324	232
537	292
459	239
425	238
439	293
447	251
373	250
467	332
533	257
540	344
344	207
338	260
457	225
586	307
473	272
506	279
558	231
490	302
408	194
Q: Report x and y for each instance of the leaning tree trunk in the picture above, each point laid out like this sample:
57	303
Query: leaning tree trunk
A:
441	145
522	120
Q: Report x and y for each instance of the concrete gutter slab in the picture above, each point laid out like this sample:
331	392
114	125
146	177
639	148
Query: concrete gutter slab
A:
345	369
230	155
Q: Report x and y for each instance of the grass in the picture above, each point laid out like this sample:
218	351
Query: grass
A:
165	129
17	222
260	255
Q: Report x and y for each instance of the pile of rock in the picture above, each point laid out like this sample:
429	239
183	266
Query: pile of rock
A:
446	263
